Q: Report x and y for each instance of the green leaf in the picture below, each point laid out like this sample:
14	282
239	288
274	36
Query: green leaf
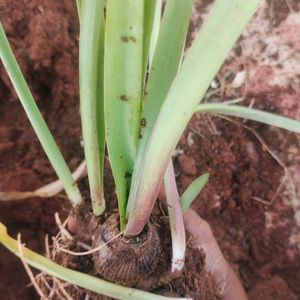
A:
78	4
123	86
149	14
100	103
213	43
251	114
193	191
155	31
91	97
40	127
82	280
166	59
164	68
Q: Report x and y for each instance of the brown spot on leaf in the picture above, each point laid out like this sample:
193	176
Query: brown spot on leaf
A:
127	39
124	97
143	122
140	134
127	174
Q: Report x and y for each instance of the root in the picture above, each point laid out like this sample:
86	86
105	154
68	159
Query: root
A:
61	289
130	262
62	227
286	177
28	270
55	288
93	250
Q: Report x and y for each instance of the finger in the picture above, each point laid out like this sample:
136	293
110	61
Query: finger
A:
215	263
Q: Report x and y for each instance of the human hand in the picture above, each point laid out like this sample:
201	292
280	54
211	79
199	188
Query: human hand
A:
215	263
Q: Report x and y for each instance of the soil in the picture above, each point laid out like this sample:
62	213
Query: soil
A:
261	241
145	260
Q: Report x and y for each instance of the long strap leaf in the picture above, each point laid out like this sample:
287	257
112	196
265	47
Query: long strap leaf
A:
155	31
78	4
149	15
205	57
91	14
123	87
164	68
251	114
74	277
40	127
100	103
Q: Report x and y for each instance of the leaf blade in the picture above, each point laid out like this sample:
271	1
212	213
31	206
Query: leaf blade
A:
78	4
155	30
192	191
123	87
100	104
163	71
149	15
201	64
36	119
89	48
251	114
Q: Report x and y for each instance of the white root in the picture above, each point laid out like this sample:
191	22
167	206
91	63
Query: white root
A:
28	270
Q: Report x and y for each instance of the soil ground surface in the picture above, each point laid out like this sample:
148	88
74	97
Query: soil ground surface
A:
258	233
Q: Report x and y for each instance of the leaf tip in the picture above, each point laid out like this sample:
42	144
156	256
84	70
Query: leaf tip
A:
3	229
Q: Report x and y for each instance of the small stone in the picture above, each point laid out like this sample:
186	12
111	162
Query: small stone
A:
187	164
6	147
231	203
235	253
6	133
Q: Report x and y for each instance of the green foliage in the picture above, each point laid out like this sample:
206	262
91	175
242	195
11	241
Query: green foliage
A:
91	96
192	191
149	15
78	3
251	114
123	89
203	60
165	64
40	127
137	93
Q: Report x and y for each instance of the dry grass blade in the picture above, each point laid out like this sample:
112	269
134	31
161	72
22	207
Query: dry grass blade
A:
286	176
49	190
